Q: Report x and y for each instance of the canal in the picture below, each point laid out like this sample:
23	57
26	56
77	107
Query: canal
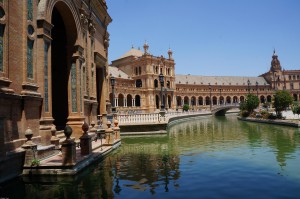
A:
205	157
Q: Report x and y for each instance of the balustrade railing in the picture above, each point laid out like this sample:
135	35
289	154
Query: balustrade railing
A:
153	117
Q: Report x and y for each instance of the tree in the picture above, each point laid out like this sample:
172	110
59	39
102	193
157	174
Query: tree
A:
186	107
250	103
296	109
282	100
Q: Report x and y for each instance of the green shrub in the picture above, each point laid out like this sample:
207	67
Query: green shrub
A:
186	107
245	113
272	117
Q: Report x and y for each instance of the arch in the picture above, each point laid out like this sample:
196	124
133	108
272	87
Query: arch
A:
214	100
120	100
186	100
235	99
129	100
207	100
242	99
157	101
169	101
168	84
67	8
200	100
137	100
221	100
193	101
295	96
269	98
262	99
64	36
155	83
228	100
179	101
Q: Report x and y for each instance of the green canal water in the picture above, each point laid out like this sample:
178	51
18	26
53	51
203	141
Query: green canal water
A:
206	157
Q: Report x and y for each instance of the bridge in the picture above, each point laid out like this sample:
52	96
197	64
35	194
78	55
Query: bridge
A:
221	110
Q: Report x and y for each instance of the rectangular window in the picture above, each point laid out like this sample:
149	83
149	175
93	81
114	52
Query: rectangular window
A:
1	47
292	86
29	10
29	59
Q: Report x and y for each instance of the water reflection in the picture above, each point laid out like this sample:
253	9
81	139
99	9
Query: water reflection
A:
193	155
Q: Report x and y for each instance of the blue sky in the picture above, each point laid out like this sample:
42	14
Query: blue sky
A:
210	37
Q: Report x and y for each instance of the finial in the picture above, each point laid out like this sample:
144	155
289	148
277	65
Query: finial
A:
132	46
146	47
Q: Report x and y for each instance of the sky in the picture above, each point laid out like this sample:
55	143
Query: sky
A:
209	37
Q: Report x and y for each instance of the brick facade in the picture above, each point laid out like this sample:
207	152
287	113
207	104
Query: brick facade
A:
54	57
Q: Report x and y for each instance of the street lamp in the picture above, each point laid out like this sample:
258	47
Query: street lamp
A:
256	88
248	86
209	86
176	103
161	80
220	95
166	99
112	82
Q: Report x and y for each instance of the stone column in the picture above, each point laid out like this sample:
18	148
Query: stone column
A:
110	135
68	148
85	140
75	118
44	79
116	130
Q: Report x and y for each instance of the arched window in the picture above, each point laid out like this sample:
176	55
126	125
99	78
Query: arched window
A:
129	100
136	71
179	101
140	70
168	84
200	100
186	100
121	100
138	83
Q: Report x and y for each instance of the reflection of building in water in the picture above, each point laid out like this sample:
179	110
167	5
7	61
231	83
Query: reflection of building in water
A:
147	163
227	134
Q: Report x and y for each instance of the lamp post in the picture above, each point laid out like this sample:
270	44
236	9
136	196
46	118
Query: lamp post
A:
220	95
176	103
161	79
112	82
166	99
248	86
256	83
209	86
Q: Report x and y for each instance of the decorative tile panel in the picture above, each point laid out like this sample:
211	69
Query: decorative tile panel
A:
73	88
30	59
46	94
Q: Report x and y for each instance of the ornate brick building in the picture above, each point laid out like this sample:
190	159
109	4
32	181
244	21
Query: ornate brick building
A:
53	67
138	86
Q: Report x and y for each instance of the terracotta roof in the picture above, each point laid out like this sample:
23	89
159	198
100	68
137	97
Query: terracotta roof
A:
116	72
218	80
132	52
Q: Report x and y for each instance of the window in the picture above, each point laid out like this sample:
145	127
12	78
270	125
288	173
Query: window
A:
292	86
140	70
138	83
136	71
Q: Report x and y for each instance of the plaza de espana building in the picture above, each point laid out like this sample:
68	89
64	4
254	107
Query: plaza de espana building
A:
138	88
